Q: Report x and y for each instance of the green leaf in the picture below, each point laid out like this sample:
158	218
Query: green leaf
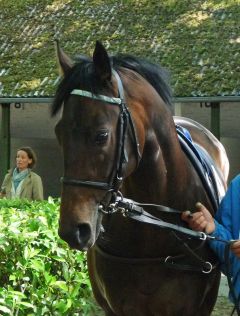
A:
49	278
37	265
5	309
30	252
60	284
27	304
61	306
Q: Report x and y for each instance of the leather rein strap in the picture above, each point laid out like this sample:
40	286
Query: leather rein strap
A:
135	211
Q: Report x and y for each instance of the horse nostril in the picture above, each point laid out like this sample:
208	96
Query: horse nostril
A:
84	231
77	237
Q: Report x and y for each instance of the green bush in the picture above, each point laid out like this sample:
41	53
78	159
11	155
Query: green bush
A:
39	274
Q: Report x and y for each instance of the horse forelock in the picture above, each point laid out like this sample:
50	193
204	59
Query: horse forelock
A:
82	75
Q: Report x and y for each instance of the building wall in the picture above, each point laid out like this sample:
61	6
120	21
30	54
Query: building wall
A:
32	125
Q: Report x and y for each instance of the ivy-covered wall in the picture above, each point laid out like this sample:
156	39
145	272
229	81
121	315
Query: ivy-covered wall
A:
198	41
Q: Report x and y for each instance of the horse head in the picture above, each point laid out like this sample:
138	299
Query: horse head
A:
93	136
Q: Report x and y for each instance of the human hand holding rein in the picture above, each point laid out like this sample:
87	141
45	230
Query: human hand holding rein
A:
201	220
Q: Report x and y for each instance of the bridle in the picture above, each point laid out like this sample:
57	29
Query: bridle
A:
124	122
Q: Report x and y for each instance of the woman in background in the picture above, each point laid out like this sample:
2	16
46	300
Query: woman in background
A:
21	182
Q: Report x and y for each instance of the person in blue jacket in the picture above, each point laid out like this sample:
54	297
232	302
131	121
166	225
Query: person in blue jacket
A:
225	225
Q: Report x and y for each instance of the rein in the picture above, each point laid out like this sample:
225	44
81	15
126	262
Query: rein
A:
134	210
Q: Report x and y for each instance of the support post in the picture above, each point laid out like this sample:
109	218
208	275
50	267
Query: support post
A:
4	140
215	119
178	109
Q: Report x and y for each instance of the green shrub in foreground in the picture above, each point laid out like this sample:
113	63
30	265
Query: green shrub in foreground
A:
39	274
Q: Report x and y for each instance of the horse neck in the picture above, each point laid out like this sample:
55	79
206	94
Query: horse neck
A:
157	180
164	172
164	176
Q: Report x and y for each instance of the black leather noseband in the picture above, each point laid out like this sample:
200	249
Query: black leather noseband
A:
93	184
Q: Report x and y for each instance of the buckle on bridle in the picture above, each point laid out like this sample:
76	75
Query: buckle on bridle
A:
110	209
113	206
208	267
203	236
166	260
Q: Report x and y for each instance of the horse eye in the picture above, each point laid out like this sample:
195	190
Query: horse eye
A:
101	138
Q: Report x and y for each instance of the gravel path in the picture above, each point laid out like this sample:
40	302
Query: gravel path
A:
223	307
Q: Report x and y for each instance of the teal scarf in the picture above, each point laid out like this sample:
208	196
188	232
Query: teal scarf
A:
19	176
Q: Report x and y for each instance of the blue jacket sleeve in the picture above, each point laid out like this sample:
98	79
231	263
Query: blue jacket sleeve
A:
227	220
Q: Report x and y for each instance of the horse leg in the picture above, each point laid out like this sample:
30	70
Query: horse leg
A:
102	302
110	313
95	285
210	299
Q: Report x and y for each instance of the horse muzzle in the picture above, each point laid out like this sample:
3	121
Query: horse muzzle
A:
79	237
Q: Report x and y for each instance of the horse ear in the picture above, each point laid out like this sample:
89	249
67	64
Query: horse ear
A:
101	62
64	61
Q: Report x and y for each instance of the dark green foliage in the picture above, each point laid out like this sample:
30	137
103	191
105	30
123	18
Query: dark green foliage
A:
39	274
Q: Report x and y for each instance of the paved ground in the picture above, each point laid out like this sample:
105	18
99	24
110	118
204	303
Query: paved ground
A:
223	307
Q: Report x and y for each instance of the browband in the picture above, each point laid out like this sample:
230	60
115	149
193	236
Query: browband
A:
99	97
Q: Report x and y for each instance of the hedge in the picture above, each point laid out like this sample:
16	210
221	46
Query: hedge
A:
39	274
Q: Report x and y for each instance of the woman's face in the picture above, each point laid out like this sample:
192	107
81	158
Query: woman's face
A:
22	160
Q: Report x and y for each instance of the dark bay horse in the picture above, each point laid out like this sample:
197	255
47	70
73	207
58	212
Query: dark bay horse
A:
118	133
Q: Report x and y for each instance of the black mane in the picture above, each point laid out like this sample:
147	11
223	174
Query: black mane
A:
83	75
